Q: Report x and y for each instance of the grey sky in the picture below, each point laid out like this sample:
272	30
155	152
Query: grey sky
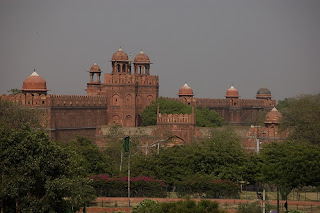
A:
208	44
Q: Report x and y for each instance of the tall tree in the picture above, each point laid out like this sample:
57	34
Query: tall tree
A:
16	116
291	164
302	116
221	157
91	157
37	174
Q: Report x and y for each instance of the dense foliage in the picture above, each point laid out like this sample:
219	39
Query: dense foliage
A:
249	208
221	157
141	186
188	206
37	174
208	187
204	117
13	115
290	165
302	116
90	157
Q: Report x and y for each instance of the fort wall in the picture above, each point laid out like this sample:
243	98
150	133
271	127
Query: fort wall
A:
67	115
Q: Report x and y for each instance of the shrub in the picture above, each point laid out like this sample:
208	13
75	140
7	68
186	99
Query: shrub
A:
206	186
249	208
145	206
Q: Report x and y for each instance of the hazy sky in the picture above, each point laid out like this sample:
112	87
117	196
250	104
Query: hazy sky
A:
208	44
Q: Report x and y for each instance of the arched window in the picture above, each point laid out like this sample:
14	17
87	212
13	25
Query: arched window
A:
129	121
150	99
128	100
115	100
115	119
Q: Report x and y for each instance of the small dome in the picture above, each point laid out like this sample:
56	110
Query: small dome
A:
273	117
263	93
185	90
120	55
34	83
95	68
141	58
232	93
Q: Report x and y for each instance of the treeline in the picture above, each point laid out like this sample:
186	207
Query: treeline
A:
40	175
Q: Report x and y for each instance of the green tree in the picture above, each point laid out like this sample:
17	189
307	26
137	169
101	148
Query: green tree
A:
167	106
93	160
290	164
16	116
37	174
208	118
221	156
302	116
204	116
15	91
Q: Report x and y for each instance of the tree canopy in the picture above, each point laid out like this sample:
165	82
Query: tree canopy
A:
204	116
302	116
91	158
221	156
290	164
37	174
14	115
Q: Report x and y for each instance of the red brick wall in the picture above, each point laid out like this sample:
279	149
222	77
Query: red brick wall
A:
127	95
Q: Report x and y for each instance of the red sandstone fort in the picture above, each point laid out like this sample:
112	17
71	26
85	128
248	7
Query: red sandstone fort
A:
122	96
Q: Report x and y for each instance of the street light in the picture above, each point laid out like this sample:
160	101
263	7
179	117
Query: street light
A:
257	151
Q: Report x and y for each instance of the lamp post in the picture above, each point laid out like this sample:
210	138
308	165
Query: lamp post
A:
257	151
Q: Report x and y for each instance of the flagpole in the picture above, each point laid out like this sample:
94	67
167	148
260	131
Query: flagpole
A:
126	147
129	183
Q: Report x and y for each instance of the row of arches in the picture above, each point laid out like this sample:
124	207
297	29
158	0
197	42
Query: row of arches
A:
127	121
129	100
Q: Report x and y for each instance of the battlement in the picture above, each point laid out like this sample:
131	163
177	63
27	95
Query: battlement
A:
56	100
175	118
208	102
255	103
130	79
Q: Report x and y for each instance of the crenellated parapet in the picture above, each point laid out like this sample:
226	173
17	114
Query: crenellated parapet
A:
206	102
77	100
27	99
147	80
119	79
55	100
176	118
128	79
